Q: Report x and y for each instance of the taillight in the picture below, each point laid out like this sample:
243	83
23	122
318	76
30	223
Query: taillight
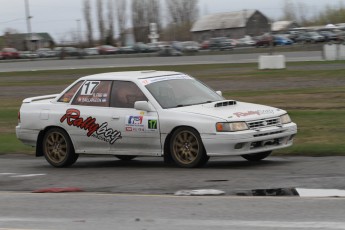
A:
18	116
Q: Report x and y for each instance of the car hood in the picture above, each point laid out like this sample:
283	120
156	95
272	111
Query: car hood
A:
232	110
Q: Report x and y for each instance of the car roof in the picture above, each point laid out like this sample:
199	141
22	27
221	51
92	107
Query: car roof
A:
130	75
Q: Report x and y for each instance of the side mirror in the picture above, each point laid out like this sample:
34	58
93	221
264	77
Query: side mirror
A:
219	93
143	105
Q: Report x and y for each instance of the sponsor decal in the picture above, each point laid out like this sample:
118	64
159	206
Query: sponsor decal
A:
256	112
250	113
91	100
152	124
135	120
141	124
164	78
101	132
244	114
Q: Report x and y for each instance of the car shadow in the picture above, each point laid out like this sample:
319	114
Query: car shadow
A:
153	162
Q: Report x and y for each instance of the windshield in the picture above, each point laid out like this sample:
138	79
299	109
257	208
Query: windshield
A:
182	92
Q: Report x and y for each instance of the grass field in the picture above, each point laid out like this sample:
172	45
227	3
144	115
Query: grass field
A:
312	92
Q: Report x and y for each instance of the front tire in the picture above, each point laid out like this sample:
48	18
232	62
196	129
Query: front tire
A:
58	148
187	149
256	156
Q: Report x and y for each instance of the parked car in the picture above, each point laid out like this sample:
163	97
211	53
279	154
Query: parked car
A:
10	53
220	43
328	35
149	113
190	46
316	37
303	38
168	50
341	36
205	45
28	54
140	47
107	49
46	53
264	41
312	37
282	41
246	41
91	51
73	51
127	50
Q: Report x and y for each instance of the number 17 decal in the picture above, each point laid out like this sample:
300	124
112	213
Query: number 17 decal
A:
89	87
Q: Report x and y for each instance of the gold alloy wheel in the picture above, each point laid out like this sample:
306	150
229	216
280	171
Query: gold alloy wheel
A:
186	147
56	147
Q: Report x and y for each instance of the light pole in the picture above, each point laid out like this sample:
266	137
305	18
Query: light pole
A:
28	24
78	33
78	39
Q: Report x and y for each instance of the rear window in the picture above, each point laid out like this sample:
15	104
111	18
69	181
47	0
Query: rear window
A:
67	97
93	93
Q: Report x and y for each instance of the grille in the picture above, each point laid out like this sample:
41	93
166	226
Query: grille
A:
267	134
263	123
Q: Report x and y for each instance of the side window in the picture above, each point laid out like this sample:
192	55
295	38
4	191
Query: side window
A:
67	97
125	93
93	93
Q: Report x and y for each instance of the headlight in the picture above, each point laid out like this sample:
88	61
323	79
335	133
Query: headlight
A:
231	127
285	119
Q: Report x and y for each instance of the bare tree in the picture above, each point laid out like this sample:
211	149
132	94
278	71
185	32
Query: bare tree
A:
140	20
154	12
87	16
289	11
121	8
110	29
182	15
303	12
101	27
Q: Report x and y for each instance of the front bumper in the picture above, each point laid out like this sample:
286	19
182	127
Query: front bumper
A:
249	141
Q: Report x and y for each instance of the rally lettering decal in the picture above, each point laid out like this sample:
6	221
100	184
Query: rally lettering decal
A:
256	112
101	132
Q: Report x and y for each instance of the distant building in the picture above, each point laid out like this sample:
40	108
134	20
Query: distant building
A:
232	25
282	26
27	41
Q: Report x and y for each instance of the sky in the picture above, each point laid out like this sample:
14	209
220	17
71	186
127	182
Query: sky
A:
59	17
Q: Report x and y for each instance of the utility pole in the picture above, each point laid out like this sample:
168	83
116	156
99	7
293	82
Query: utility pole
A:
78	32
28	24
78	38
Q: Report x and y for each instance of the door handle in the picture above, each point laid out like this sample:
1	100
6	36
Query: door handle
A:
115	117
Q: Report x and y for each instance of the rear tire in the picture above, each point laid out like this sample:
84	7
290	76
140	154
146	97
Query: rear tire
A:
256	156
187	149
58	148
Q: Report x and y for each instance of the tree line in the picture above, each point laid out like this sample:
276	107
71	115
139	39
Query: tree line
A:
308	16
178	15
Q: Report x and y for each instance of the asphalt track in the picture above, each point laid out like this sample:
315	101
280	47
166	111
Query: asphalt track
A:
140	194
149	175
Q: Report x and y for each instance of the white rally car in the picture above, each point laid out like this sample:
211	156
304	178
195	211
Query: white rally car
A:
149	113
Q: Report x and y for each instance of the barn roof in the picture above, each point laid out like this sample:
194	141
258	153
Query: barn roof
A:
218	21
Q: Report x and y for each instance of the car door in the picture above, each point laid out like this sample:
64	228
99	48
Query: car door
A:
87	118
139	129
